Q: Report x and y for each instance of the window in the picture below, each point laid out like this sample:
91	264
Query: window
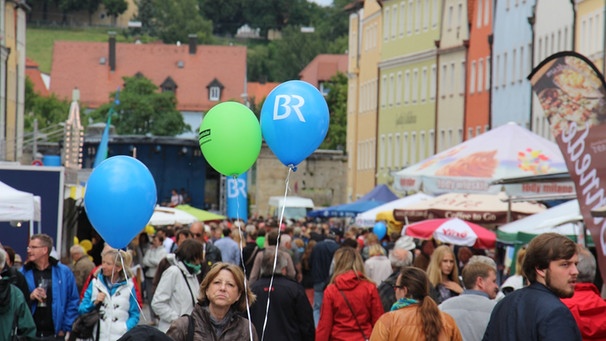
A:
396	152
496	73
394	21
432	141
418	15
469	133
514	58
426	15
389	153
402	17
472	80
522	66
214	93
434	13
480	74
406	87
405	152
443	80
479	15
422	143
413	148
424	85
411	8
386	25
415	85
504	69
459	15
391	89
450	14
432	84
452	78
486	11
399	89
442	139
384	91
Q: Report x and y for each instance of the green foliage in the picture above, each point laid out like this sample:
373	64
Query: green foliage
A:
176	19
226	15
275	14
115	7
143	110
337	105
289	55
49	111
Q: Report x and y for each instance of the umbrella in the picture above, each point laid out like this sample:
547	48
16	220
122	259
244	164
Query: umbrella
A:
454	231
170	216
470	167
477	208
369	218
200	215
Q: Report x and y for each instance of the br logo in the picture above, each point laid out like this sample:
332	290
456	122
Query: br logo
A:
236	188
284	101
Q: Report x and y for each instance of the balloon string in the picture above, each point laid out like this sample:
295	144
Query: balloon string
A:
237	222
271	281
119	255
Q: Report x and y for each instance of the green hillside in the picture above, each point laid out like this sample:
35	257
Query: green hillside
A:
39	42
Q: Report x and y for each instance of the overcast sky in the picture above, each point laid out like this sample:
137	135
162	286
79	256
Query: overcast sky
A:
322	2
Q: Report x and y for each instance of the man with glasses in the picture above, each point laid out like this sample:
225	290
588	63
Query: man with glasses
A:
210	253
53	294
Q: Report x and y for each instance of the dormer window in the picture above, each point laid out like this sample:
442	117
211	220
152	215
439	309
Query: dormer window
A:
169	85
215	88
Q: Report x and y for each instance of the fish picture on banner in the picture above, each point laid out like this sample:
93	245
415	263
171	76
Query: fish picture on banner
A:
572	93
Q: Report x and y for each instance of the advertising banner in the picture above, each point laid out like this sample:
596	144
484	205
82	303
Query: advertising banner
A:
237	200
572	92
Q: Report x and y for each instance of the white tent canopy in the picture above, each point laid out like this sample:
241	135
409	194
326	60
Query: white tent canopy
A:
368	218
564	219
16	205
170	216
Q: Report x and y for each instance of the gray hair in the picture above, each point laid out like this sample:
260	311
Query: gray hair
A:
483	259
285	239
77	249
586	266
2	258
267	263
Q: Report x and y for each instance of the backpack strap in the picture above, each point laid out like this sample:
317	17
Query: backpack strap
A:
190	328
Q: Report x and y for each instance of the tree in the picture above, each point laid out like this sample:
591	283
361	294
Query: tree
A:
49	111
142	110
145	14
176	19
337	105
114	8
275	14
289	55
226	15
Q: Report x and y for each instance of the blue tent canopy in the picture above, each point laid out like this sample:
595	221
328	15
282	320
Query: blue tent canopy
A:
378	196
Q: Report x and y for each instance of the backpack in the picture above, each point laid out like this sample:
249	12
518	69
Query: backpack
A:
85	324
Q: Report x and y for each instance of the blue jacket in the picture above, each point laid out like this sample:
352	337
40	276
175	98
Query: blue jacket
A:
65	294
531	313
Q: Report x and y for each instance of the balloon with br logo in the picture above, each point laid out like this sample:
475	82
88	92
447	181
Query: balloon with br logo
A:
294	121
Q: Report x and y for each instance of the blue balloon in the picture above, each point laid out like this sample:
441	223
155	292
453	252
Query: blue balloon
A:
120	199
294	121
380	229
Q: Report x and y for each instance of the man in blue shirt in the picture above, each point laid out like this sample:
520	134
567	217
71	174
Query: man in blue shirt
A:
536	312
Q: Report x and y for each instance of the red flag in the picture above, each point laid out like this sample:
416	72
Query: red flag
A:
572	93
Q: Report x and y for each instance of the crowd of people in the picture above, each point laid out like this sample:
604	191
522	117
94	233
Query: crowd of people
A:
301	281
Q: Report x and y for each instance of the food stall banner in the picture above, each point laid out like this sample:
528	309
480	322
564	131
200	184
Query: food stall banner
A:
572	92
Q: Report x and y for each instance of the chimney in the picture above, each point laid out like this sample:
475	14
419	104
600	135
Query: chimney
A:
193	43
112	51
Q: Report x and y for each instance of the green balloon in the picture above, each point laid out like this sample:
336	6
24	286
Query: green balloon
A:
230	138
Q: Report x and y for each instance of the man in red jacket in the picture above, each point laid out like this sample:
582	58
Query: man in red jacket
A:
586	305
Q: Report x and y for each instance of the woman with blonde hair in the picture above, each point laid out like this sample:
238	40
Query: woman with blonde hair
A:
351	304
222	296
516	281
415	315
113	293
443	274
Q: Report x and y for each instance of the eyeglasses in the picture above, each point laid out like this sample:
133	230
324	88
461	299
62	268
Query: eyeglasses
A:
395	286
197	234
35	247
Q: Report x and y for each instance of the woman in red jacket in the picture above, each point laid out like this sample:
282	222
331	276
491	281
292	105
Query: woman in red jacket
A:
351	304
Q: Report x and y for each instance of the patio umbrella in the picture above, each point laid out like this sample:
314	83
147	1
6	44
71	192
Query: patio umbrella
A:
170	216
453	231
470	167
201	215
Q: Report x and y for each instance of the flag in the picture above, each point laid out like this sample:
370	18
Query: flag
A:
103	145
572	92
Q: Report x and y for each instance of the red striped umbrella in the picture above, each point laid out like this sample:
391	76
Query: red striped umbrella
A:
453	231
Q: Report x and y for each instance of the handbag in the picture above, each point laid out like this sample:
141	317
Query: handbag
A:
354	315
85	324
